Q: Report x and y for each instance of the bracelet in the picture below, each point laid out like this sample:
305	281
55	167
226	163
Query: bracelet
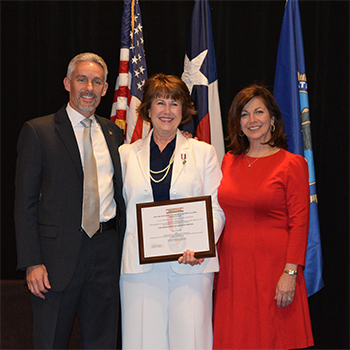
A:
291	272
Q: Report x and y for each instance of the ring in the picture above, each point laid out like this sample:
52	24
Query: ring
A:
289	299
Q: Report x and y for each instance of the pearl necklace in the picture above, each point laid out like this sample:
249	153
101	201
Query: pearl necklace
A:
166	169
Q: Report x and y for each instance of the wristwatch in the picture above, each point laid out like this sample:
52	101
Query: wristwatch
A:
291	272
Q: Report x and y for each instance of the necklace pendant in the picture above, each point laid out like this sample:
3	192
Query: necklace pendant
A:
249	165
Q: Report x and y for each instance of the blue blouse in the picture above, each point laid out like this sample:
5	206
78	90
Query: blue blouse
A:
158	161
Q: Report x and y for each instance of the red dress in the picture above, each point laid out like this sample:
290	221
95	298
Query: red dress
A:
267	210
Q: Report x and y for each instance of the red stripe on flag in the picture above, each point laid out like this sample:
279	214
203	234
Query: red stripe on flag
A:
123	91
137	134
121	114
123	67
203	129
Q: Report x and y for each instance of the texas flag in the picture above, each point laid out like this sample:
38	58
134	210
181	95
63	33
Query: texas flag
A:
200	75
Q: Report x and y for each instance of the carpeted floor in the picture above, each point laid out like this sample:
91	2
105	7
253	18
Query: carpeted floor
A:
16	318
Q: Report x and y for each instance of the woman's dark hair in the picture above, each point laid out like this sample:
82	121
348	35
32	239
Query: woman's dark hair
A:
239	144
168	86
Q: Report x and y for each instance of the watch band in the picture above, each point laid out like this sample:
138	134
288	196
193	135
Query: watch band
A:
291	272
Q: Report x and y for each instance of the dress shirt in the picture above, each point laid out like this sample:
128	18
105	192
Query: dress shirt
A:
105	170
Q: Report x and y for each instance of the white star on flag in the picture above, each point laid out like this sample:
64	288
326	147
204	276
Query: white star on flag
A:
192	74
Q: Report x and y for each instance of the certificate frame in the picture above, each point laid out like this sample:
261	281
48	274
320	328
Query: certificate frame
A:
203	211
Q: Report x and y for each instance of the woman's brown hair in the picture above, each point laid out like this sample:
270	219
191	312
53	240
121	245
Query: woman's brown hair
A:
168	86
239	143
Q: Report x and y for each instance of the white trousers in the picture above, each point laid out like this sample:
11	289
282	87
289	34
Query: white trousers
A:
164	310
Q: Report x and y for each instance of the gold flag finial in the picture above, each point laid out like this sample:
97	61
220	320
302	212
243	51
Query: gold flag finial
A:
132	21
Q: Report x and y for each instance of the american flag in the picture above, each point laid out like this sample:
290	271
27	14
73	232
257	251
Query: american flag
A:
132	75
200	75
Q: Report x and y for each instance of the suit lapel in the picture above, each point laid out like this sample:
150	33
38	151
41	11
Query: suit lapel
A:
181	148
111	141
143	155
66	132
113	145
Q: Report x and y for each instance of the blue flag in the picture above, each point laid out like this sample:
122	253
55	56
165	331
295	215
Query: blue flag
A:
291	94
200	75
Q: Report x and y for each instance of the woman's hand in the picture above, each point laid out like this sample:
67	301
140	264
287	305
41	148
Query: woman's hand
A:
286	287
188	258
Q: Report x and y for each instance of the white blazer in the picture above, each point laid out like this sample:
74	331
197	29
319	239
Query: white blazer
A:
199	176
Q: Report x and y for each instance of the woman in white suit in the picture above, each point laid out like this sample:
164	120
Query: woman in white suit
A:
167	305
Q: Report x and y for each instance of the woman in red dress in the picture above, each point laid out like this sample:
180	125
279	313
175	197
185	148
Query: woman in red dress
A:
260	294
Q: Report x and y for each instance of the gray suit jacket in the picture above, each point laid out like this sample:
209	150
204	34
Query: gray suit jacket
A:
49	194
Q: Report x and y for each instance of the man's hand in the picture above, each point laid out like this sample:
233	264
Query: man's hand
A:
38	280
188	135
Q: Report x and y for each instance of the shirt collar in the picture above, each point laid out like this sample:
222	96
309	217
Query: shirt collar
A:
75	117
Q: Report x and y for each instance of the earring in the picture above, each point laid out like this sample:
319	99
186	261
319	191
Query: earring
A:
241	134
272	127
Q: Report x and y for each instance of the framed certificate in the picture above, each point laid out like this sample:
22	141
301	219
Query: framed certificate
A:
167	228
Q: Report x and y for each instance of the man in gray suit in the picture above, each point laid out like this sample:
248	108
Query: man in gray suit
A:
68	270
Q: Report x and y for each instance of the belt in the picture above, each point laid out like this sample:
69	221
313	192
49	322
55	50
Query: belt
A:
108	225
